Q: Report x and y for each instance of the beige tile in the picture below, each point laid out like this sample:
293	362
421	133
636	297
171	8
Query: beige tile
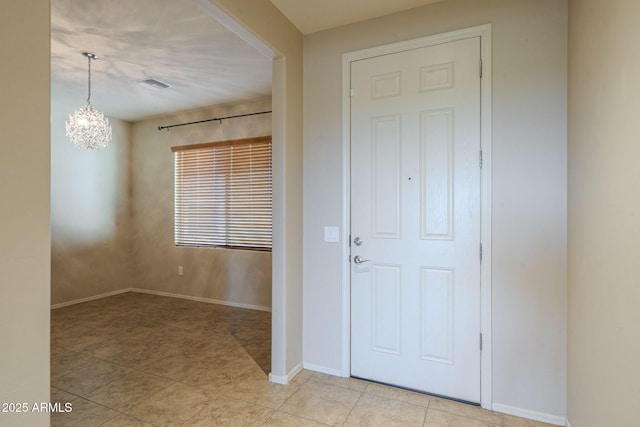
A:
173	405
78	342
373	411
174	367
90	377
398	394
321	402
436	418
220	374
132	359
125	421
227	411
212	346
133	332
280	419
128	391
301	377
156	349
58	352
176	342
511	421
155	341
61	396
243	362
105	350
261	354
212	374
469	411
350	383
261	392
64	361
64	329
83	414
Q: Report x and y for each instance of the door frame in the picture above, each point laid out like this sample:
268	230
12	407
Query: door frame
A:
484	32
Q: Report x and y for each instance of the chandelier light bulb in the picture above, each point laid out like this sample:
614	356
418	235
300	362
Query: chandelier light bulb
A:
87	127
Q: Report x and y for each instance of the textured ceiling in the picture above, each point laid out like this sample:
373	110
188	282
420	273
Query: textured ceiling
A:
169	40
316	15
175	42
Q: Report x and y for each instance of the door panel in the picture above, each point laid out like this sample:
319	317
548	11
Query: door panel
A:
415	205
436	300
386	309
436	170
385	167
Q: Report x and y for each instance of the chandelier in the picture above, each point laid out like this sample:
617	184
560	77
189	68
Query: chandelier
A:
87	127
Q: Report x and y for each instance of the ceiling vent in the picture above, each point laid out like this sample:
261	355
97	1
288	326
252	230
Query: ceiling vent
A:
153	84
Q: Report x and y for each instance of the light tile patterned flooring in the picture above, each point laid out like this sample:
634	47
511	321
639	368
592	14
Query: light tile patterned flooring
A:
143	360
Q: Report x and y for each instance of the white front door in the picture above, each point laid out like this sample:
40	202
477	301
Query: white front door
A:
415	219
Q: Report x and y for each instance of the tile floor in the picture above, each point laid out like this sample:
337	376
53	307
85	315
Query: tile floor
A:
143	360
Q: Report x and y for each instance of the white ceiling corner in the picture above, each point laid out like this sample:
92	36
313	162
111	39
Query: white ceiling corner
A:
310	16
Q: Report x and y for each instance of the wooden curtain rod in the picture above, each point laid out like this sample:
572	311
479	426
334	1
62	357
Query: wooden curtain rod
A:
219	119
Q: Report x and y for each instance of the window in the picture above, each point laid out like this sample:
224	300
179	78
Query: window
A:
223	194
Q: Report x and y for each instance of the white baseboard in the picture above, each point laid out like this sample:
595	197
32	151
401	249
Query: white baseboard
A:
200	299
285	379
567	424
163	294
532	415
95	297
322	369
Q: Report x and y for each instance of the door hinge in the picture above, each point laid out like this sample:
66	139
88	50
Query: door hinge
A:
481	68
480	159
480	252
481	341
351	92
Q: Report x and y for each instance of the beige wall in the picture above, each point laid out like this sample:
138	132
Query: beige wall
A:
24	210
112	214
529	189
90	215
604	213
234	276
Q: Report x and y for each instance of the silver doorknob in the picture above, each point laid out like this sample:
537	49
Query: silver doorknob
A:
358	259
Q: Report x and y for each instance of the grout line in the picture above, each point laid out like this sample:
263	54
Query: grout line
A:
351	410
489	423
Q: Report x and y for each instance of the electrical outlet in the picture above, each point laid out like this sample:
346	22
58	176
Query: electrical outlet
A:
180	271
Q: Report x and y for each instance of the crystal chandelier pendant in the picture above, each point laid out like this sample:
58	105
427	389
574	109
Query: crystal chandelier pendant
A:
87	127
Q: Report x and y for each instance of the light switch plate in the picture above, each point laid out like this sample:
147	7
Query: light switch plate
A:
332	234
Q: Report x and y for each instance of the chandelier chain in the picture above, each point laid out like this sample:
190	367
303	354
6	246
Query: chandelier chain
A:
89	79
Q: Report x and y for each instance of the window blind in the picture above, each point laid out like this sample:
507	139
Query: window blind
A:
223	194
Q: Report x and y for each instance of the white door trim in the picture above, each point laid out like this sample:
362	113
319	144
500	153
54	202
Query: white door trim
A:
484	32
